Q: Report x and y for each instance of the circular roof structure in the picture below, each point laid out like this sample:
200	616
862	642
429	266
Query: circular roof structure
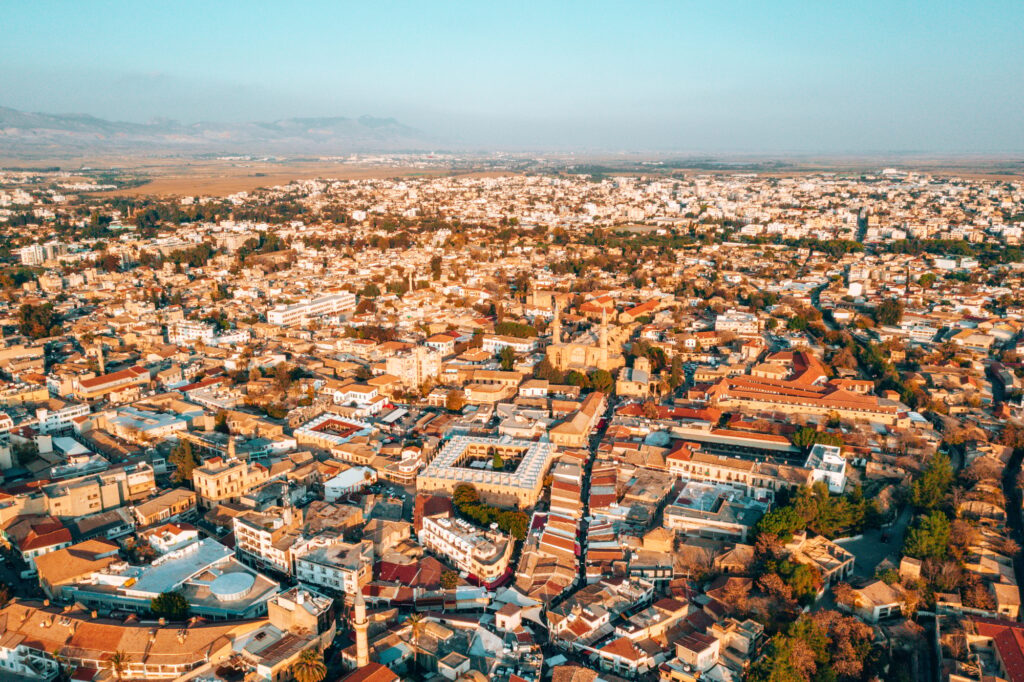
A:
232	586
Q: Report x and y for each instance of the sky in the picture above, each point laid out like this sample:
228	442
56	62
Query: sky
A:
716	76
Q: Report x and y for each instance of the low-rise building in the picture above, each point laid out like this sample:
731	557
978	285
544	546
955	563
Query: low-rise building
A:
482	555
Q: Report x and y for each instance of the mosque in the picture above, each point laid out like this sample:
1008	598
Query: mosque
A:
588	351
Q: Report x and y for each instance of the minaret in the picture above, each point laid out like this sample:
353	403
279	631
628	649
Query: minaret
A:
410	281
232	451
604	338
360	624
556	325
100	360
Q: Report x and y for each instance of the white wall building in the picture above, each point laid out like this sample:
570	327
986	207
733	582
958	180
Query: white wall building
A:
828	464
309	308
340	567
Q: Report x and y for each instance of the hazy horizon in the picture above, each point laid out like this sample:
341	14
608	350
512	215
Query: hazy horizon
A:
747	78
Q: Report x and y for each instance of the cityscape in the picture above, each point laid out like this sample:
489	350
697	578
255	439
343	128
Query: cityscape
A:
348	399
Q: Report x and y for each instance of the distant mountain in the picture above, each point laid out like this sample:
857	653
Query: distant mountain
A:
42	134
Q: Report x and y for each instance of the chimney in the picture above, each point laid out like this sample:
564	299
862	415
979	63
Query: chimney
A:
94	614
46	602
162	621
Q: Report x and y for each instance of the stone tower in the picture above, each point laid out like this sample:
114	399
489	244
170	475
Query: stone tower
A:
604	338
556	326
360	625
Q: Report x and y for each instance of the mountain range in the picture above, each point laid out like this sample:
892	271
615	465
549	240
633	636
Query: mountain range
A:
39	134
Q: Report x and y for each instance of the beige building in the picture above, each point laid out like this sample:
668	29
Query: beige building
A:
574	431
470	459
168	506
226	479
415	366
95	493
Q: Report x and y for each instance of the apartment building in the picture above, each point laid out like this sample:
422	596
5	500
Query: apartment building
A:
339	567
413	367
311	308
737	322
267	538
59	416
178	504
483	555
226	479
85	495
184	332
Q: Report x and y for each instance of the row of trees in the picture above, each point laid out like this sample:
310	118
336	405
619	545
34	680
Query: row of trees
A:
468	503
814	509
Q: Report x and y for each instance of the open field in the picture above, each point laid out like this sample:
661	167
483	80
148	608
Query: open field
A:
183	176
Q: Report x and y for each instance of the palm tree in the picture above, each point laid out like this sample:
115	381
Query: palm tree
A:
117	662
309	666
418	626
63	670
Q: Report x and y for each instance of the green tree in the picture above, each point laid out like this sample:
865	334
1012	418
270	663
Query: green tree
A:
797	323
929	538
889	312
455	401
507	357
220	422
804	580
25	452
170	605
309	666
929	491
497	463
516	329
781	522
449	580
602	380
184	461
38	321
808	436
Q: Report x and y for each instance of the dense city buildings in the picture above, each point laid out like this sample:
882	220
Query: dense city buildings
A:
540	422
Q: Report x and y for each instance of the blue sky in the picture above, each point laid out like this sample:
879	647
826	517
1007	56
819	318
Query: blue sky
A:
713	76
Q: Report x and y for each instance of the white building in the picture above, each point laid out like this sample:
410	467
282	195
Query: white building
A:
59	416
348	481
340	567
484	555
309	308
827	464
188	331
737	322
494	343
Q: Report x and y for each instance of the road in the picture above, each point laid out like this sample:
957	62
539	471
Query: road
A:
869	551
